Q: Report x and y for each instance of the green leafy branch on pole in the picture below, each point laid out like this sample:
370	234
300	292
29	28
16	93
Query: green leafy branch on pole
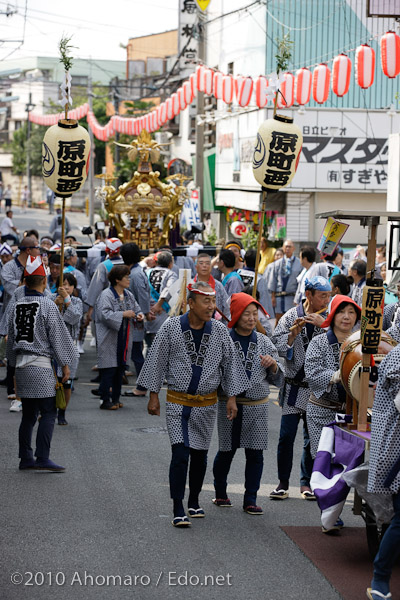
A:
65	49
284	54
283	58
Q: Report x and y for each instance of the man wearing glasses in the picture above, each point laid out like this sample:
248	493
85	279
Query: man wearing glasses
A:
12	272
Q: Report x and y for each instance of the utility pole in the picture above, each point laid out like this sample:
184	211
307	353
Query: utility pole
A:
199	178
92	156
29	107
116	109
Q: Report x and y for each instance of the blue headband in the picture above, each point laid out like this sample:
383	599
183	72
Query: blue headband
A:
317	283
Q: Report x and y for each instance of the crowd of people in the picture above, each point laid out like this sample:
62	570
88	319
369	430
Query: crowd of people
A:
219	358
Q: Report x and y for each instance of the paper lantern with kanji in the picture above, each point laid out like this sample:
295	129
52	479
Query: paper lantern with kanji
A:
365	66
390	54
286	98
277	152
303	86
341	73
261	89
65	157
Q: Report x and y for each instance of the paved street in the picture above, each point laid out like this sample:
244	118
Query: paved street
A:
40	219
109	515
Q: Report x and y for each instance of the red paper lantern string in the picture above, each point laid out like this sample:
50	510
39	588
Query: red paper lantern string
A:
365	66
341	72
390	54
321	81
303	86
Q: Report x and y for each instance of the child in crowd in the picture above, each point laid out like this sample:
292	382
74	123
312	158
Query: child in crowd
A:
72	311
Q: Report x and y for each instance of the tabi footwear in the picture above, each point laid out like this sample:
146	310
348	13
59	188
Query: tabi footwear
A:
196	513
222	502
181	521
252	509
279	494
307	493
45	464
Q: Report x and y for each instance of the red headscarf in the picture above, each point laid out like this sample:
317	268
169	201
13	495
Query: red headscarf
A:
239	302
336	302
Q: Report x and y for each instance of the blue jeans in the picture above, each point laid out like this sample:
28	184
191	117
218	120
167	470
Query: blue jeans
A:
389	551
138	361
178	471
252	474
111	378
31	407
287	435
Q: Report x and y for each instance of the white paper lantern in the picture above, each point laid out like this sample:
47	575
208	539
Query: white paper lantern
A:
277	152
65	157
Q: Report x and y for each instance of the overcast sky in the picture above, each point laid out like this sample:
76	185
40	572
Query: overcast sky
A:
98	28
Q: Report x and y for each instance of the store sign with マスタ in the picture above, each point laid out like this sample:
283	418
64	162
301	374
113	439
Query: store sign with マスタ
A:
342	150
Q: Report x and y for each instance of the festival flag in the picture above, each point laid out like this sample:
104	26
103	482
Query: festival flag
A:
339	451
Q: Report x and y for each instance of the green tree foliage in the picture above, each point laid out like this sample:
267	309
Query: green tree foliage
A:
18	148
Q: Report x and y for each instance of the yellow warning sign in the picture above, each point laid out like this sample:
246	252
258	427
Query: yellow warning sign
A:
203	4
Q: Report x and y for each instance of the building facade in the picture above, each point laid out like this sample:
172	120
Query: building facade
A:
344	161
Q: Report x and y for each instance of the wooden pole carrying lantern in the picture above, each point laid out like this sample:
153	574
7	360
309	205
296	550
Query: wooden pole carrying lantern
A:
275	160
65	151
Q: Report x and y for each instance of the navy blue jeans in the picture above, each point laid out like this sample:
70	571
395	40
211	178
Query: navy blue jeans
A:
178	471
389	551
287	435
252	474
138	361
31	407
111	378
